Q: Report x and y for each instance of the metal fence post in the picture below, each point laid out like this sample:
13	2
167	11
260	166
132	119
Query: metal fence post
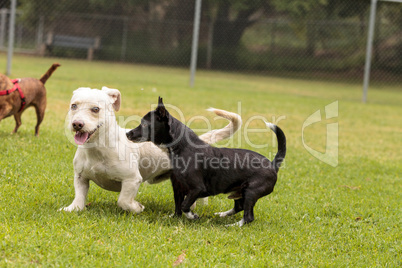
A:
194	49
210	43
3	17
39	34
11	36
124	39
369	49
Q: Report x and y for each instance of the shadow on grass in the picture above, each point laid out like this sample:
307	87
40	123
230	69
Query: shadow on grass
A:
155	212
6	132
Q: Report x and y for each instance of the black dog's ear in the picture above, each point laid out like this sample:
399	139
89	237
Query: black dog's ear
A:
160	101
161	110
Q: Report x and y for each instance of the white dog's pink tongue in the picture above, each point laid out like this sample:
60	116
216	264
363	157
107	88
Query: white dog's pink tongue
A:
80	138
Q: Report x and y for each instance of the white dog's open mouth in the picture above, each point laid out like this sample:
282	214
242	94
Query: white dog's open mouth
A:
82	137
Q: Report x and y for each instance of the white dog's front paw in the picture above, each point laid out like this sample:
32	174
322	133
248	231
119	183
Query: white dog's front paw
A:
133	206
72	207
141	207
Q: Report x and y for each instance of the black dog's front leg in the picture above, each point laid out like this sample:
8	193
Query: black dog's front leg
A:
192	196
179	193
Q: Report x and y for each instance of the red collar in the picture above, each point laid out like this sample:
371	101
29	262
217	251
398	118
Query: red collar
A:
16	87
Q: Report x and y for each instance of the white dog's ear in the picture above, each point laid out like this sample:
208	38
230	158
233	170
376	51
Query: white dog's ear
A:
114	94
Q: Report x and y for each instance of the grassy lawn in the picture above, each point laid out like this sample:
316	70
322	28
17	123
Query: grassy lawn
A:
318	215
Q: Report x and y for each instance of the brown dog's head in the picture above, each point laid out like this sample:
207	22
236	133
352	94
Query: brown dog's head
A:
5	82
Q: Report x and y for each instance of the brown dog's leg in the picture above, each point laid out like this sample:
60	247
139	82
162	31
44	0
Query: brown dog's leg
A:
18	122
40	114
4	111
2	114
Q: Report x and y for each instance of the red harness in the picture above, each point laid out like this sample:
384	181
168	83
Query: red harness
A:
16	87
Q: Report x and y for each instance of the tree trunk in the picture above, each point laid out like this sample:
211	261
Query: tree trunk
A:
310	39
228	33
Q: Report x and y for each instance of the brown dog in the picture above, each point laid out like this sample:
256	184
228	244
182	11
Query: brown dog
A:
31	92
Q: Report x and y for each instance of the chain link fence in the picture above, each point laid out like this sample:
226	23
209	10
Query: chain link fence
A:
320	39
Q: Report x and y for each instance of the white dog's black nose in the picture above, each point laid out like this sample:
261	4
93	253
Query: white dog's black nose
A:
78	125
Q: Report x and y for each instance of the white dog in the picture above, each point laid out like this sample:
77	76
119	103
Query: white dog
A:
109	159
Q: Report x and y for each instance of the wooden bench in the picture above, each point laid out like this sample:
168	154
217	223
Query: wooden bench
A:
58	40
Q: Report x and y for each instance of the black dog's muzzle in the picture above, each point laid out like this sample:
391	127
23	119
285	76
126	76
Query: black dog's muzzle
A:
135	135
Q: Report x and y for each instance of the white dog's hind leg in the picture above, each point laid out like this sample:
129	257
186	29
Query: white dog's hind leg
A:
203	201
81	187
239	223
129	189
226	213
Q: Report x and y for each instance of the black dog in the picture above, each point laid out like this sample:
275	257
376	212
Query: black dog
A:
200	170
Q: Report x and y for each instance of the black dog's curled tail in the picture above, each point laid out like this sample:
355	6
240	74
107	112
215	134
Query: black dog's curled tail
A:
280	155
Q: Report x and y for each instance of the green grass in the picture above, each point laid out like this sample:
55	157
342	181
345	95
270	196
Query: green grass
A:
318	215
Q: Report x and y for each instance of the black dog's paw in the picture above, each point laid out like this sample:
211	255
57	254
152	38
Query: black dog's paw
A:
191	215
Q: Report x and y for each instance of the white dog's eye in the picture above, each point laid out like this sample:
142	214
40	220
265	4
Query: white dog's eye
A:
73	106
95	109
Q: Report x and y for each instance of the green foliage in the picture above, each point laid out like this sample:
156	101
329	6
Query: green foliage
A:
323	35
238	5
301	8
348	216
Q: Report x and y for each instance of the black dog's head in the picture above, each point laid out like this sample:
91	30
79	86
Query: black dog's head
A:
154	126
